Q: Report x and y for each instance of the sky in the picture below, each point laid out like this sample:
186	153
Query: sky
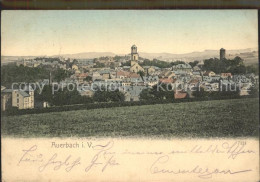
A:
54	32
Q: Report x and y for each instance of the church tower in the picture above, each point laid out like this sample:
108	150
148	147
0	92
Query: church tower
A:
134	55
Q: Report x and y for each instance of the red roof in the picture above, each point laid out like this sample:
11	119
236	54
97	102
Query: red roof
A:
207	73
166	80
180	95
122	73
226	74
81	75
134	75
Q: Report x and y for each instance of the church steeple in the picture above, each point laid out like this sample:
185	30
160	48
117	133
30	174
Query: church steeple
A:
134	55
135	67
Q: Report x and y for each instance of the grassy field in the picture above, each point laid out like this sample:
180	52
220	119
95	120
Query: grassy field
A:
219	118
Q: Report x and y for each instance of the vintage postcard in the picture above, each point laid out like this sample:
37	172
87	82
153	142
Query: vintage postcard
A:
130	95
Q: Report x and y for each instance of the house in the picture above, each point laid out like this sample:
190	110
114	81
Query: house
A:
135	68
194	83
196	68
23	99
133	75
126	83
6	98
96	76
182	67
122	74
137	81
241	79
196	75
180	95
164	73
151	80
214	86
19	98
132	93
211	78
226	75
74	67
150	70
80	77
170	75
85	91
209	73
126	68
105	74
227	84
166	80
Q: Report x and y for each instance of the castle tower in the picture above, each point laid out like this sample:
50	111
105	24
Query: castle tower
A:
222	54
134	55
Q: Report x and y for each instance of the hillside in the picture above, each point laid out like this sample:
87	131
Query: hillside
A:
219	118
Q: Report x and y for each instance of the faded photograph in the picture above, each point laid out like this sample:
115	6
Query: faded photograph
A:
152	74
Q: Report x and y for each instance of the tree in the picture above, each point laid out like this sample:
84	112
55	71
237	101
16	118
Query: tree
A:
200	93
141	73
60	74
61	96
88	79
112	66
158	92
12	73
127	63
194	63
155	62
105	95
146	95
254	91
177	62
252	69
99	65
234	66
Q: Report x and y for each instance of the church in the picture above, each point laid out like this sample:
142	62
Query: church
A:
135	67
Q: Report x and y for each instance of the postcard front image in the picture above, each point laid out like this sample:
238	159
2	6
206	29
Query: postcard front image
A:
130	95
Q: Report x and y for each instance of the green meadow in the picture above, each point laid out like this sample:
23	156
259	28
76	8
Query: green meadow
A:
218	118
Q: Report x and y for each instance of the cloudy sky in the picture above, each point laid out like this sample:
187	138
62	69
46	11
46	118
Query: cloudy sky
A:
35	33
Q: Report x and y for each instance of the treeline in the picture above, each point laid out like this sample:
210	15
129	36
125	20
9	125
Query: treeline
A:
60	97
159	63
165	92
155	62
48	59
70	96
234	66
88	106
13	73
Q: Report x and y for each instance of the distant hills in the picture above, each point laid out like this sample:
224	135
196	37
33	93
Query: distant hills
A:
87	55
250	55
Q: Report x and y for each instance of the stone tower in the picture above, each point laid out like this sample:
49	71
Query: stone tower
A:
134	55
222	54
